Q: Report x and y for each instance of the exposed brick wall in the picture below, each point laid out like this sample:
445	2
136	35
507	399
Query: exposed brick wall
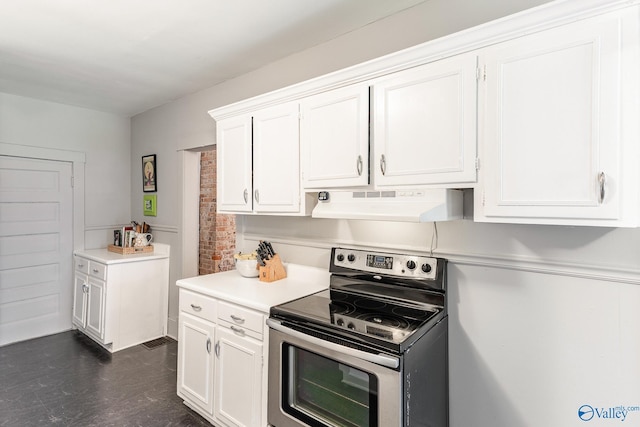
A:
217	232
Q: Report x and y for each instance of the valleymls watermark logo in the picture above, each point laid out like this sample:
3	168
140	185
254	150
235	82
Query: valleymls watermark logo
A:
620	413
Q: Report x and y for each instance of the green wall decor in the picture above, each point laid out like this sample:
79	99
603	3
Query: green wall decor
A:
149	206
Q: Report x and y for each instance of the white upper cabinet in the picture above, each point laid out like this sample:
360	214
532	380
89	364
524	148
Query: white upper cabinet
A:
259	162
334	135
276	159
424	124
537	112
234	153
552	140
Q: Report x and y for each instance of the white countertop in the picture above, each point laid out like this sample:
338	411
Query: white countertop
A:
251	292
160	251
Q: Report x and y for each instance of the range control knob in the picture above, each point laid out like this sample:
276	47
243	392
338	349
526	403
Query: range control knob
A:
340	257
426	268
340	321
411	265
351	326
351	257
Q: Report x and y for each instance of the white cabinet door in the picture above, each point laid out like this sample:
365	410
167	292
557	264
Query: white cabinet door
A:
425	124
234	164
80	289
238	379
276	161
96	307
195	361
334	138
551	126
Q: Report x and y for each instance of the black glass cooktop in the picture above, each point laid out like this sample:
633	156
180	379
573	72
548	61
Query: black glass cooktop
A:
367	316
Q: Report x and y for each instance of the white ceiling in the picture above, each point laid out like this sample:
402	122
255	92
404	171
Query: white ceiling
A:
126	56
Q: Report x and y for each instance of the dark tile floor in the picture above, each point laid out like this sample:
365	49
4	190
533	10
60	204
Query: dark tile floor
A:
68	380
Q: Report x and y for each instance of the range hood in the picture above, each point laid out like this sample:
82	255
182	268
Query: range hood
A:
423	205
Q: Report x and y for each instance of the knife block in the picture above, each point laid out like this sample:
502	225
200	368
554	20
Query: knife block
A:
273	270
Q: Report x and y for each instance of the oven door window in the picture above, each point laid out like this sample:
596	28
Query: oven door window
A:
323	392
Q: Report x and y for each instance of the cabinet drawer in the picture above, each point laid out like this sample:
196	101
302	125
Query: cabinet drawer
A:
97	270
241	316
81	265
198	305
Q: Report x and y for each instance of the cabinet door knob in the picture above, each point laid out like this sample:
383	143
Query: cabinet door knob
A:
359	165
383	164
237	319
246	196
196	307
602	180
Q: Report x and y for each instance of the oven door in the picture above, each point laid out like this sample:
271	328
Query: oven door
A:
317	383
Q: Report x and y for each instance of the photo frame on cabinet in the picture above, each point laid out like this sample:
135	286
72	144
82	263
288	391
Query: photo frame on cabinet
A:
149	206
149	174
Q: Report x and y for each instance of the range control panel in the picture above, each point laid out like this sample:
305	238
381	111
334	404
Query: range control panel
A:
386	263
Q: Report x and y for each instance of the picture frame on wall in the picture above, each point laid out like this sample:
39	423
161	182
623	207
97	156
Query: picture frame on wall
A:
149	174
149	205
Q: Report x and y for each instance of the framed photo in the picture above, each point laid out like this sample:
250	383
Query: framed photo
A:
149	207
149	174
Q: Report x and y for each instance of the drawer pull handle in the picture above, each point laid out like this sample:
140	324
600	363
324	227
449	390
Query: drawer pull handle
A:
80	265
239	331
217	349
95	270
209	345
237	319
359	165
196	307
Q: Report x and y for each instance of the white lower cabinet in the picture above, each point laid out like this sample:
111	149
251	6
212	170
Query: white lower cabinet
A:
220	360
120	302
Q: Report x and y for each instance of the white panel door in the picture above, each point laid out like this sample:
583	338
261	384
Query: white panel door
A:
425	124
195	360
234	164
36	245
80	290
96	307
334	138
551	129
276	159
238	379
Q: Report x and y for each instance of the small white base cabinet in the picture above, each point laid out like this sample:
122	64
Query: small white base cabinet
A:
223	341
121	300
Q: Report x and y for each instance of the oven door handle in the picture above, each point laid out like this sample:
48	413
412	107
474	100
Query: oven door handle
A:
379	359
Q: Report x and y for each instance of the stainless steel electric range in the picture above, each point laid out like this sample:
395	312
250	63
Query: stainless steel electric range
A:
369	351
